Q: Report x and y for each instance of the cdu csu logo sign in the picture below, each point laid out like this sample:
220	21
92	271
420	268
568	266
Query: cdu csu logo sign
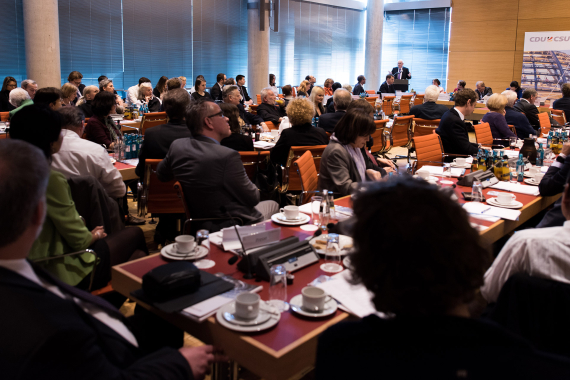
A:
550	39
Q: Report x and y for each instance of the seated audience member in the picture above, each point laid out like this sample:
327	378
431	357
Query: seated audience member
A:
230	82
145	96
133	93
347	87
160	88
75	78
302	89
539	252
216	90
452	129
63	230
515	118
423	327
104	77
173	83
200	92
460	86
328	87
287	91
437	83
388	86
268	110
67	325
79	156
312	80
49	97
482	91
101	129
30	86
272	85
85	104
231	95
496	117
245	99
342	99
359	87
526	106
330	102
429	110
182	82
300	112
19	98
8	85
193	88
236	140
213	178
317	96
106	85
514	86
345	164
69	95
564	102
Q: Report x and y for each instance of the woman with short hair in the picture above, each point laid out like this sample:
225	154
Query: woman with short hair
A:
236	140
69	92
496	117
328	87
8	85
84	103
101	129
107	85
437	83
145	96
514	86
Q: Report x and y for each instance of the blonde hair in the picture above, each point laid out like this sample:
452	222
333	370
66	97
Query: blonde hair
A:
68	90
314	94
347	87
303	86
497	102
300	111
141	88
182	79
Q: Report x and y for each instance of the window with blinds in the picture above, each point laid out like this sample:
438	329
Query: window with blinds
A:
420	38
12	49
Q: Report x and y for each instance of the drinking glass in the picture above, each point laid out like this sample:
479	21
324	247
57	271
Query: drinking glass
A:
477	191
203	239
447	171
315	209
332	255
512	142
513	171
278	288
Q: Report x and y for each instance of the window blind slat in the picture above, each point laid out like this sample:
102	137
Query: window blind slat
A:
12	40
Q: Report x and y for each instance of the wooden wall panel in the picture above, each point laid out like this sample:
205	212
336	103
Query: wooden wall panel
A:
517	69
483	10
541	25
465	36
495	68
533	10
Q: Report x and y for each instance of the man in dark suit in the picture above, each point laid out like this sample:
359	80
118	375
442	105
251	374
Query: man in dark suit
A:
50	329
401	72
358	88
452	128
526	105
231	95
564	102
482	91
330	102
429	110
245	99
267	110
216	90
552	184
342	99
388	86
212	175
312	82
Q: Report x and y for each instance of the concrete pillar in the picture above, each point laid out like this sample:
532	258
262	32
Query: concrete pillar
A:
41	31
373	48
257	51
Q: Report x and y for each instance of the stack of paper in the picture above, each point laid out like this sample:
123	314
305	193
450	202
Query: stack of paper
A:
475	209
263	144
132	161
438	170
356	299
517	188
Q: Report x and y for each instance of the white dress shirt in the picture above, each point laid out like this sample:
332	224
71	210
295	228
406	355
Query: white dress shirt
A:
539	252
24	269
78	156
460	114
132	96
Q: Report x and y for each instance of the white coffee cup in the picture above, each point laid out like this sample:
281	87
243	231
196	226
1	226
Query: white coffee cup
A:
534	170
460	161
506	198
247	305
538	177
275	132
290	212
423	174
185	243
314	299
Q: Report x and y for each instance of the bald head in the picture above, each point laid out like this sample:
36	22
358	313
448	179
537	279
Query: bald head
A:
341	99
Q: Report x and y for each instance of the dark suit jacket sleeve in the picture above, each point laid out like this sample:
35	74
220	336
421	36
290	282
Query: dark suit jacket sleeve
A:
154	105
237	182
164	169
267	115
245	94
555	178
139	170
216	92
252	119
280	151
338	169
463	142
96	131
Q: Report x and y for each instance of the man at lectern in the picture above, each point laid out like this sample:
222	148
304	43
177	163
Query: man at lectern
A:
401	72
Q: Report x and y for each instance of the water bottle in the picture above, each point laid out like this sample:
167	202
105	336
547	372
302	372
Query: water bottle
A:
127	148
134	153
540	155
331	205
316	121
549	140
313	122
520	169
324	212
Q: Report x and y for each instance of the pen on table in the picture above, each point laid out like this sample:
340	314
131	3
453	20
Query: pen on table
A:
487	209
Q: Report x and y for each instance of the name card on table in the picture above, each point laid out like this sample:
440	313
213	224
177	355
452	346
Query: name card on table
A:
251	236
517	188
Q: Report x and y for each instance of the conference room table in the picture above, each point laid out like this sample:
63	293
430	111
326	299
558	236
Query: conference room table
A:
481	109
288	349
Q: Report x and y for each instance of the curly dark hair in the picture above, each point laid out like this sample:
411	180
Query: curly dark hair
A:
426	258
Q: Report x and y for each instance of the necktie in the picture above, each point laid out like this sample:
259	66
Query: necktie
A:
400	74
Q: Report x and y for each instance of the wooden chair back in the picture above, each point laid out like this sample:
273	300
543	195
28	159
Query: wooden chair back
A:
379	138
252	161
161	198
152	119
4	116
388	104
483	134
307	172
428	148
559	116
401	131
258	98
424	127
512	128
419	99
371	100
544	123
290	178
178	188
405	102
272	126
370	92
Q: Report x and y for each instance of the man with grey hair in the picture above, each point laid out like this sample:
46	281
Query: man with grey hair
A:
31	86
212	176
84	103
482	90
19	98
526	106
78	156
133	92
267	110
516	118
231	95
341	101
401	72
429	110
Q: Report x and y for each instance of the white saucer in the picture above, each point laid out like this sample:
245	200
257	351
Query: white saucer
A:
303	219
531	181
272	321
464	166
171	254
297	306
430	178
327	267
229	315
343	240
513	205
284	219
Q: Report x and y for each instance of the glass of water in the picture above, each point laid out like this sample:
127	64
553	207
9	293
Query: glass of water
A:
203	242
278	288
332	255
477	191
512	142
447	171
315	209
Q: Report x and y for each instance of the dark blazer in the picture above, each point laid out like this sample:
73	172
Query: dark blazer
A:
216	92
498	125
212	176
321	109
157	141
405	73
270	113
330	105
5	105
45	336
520	122
338	172
564	105
97	131
154	105
386	88
197	96
244	95
238	142
530	111
441	347
358	89
156	93
454	135
248	117
329	120
297	135
86	108
488	91
553	183
429	111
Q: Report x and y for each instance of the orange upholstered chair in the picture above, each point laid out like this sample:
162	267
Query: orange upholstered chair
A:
512	128
290	180
272	126
484	136
307	172
559	116
544	123
429	151
401	133
405	102
152	119
370	92
424	127
419	99
4	116
252	161
388	104
155	196
371	100
258	99
379	137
